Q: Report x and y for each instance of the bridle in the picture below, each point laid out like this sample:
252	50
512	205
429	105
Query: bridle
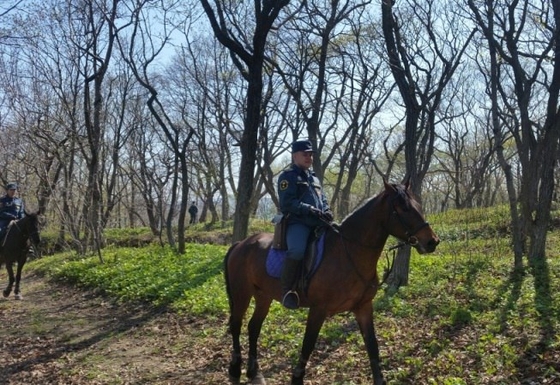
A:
411	240
410	234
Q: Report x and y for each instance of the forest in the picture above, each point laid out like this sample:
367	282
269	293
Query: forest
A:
118	113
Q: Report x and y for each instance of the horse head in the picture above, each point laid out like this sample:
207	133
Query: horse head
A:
406	221
30	226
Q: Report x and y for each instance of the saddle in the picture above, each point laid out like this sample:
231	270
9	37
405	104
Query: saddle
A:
4	232
310	264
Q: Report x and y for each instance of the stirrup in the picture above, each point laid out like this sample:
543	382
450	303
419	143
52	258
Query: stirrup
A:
291	300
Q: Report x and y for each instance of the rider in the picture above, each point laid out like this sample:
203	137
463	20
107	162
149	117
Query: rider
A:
11	207
302	199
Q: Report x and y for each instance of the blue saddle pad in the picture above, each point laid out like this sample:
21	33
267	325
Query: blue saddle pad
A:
275	259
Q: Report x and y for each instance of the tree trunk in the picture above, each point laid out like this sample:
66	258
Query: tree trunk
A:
253	60
248	161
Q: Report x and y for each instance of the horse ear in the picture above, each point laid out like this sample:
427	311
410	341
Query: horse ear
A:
388	186
407	182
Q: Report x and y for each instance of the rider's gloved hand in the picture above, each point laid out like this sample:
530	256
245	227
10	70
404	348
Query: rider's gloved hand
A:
315	212
328	216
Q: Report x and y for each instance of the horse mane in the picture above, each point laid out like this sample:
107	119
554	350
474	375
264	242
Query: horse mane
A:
34	215
360	207
28	217
400	190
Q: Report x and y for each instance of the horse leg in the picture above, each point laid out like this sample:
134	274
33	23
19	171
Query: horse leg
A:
21	263
262	306
10	269
238	309
315	319
364	317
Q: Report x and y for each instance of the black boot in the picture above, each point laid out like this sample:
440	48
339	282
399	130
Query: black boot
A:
290	298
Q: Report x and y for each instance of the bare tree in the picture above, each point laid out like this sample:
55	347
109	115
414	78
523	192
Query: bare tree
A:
365	89
140	49
232	32
148	167
522	40
311	72
466	149
95	22
423	54
7	7
330	62
204	86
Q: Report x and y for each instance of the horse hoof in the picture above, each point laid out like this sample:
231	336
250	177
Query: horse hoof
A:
258	379
18	296
5	294
234	374
297	380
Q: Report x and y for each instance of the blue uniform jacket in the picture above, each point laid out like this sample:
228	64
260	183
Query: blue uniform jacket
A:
298	191
11	208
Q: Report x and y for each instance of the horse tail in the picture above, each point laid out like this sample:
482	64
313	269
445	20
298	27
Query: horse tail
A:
226	277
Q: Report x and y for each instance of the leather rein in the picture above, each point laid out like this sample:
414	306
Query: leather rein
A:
23	231
411	241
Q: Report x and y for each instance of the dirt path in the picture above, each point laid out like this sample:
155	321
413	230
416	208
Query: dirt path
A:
61	335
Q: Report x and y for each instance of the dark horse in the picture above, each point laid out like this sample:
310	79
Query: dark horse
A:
345	281
14	247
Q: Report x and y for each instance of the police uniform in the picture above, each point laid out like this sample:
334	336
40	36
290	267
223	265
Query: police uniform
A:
300	191
10	208
303	201
193	210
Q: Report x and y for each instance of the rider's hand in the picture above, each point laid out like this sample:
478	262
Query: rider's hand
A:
315	212
328	216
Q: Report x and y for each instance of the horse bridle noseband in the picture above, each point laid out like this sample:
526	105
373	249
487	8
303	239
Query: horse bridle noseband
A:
411	238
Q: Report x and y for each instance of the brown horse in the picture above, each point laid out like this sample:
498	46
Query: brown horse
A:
345	281
14	248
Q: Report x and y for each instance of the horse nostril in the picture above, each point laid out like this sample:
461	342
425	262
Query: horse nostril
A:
433	243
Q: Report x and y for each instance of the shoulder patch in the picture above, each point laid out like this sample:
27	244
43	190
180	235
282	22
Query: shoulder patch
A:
283	184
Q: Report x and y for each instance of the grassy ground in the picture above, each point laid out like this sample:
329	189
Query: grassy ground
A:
465	318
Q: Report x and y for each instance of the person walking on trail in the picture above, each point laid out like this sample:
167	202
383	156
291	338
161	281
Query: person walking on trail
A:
193	211
301	199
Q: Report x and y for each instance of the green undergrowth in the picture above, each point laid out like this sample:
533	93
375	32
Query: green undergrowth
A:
464	318
153	274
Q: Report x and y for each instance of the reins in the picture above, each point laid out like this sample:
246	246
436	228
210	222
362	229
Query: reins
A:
411	241
9	228
26	234
387	271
